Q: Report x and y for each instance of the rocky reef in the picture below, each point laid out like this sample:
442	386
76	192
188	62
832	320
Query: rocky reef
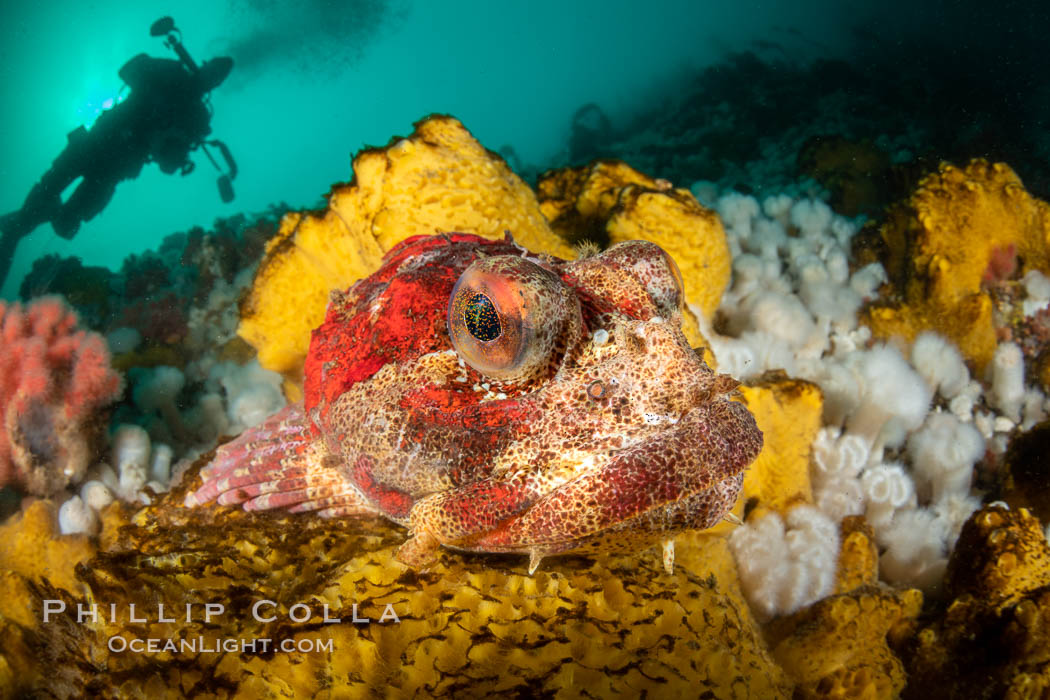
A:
865	564
993	637
961	234
471	625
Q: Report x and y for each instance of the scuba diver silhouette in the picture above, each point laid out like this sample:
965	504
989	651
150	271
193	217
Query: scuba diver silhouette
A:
164	118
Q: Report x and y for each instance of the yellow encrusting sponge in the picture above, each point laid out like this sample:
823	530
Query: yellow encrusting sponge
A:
439	179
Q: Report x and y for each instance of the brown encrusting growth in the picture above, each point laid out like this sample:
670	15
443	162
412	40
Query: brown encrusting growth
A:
471	626
992	639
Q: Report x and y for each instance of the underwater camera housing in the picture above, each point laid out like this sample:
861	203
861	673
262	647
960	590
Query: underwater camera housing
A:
165	27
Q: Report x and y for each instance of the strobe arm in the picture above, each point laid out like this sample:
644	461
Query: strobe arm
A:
173	40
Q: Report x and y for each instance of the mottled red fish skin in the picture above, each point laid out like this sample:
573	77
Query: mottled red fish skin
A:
353	343
595	302
661	484
475	430
391	501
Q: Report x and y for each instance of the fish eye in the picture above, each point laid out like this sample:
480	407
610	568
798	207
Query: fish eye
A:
481	319
506	314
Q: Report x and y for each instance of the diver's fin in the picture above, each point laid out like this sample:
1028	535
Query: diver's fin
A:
278	464
13	226
9	238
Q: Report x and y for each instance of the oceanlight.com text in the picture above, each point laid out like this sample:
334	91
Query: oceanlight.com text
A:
153	645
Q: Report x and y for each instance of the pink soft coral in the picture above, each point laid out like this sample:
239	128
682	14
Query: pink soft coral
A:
53	380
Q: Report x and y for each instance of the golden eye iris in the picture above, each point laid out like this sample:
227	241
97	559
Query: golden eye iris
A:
506	315
481	319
